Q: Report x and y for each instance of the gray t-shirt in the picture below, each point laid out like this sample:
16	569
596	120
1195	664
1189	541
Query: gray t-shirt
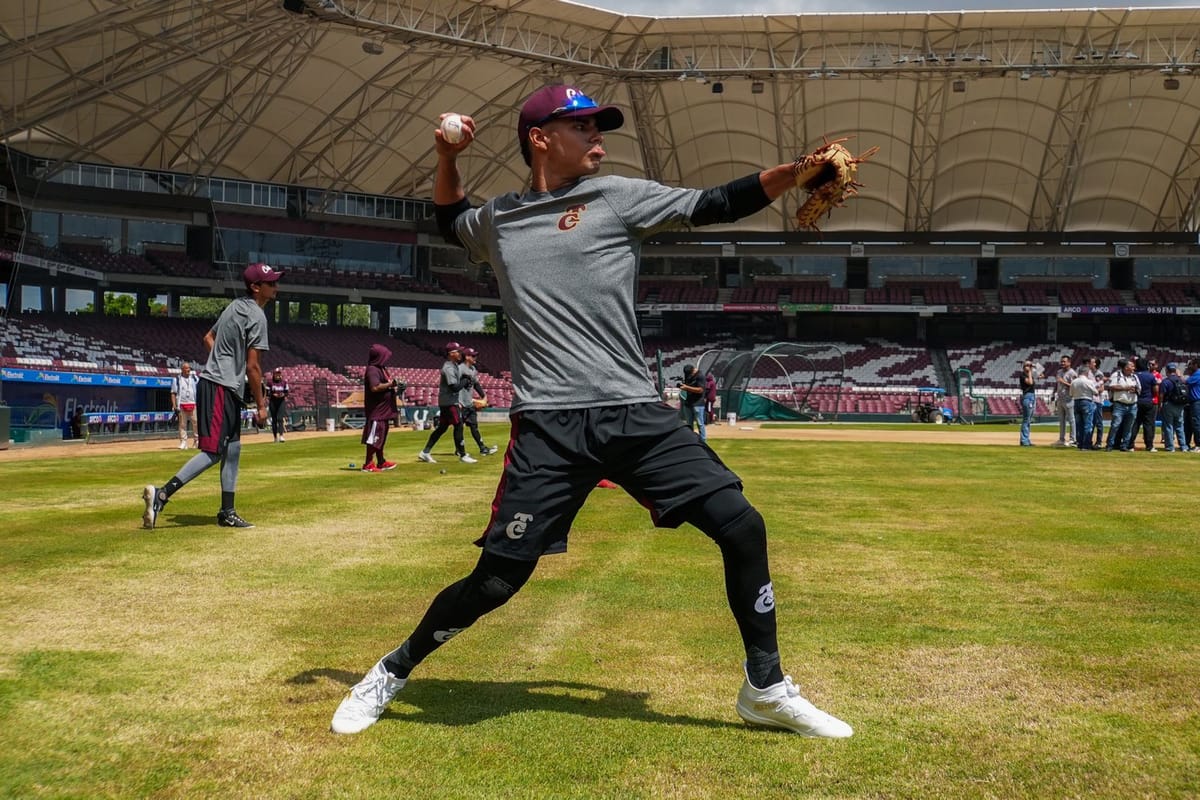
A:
567	263
242	325
466	395
448	383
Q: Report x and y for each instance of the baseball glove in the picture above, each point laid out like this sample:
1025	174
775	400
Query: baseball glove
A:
479	403
832	185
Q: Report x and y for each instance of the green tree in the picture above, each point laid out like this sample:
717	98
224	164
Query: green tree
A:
202	307
489	323
120	304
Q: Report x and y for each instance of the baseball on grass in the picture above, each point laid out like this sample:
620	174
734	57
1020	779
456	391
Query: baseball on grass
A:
443	472
452	128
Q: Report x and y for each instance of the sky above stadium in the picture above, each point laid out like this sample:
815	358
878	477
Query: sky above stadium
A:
706	8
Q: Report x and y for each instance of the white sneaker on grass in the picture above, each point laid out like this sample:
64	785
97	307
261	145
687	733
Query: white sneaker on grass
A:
781	706
363	707
424	456
150	515
466	459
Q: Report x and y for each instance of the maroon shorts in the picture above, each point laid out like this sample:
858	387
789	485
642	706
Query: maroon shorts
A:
218	416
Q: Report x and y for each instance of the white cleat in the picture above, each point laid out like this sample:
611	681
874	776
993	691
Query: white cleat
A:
183	445
363	707
150	515
424	456
466	459
781	706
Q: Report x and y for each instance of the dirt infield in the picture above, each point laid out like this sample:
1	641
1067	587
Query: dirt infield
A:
816	432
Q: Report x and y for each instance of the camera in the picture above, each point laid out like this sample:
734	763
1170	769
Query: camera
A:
399	385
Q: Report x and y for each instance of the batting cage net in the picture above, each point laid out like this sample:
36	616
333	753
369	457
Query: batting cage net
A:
780	381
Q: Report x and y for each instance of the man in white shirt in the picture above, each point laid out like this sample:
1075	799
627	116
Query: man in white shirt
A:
1083	390
183	401
1123	389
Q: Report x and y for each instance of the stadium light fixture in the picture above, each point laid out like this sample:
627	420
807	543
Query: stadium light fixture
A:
372	47
959	86
757	87
718	87
1171	84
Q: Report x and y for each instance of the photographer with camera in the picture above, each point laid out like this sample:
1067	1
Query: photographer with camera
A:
379	407
691	400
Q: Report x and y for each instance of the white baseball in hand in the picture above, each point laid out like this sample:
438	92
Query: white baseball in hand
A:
452	128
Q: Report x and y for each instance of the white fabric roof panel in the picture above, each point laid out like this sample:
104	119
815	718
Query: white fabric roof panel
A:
1066	126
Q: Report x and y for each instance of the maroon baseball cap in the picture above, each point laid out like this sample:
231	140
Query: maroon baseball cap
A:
452	346
470	351
559	101
261	273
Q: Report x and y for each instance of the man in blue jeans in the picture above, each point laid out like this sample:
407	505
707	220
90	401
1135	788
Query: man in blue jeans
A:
1083	389
1123	391
1028	401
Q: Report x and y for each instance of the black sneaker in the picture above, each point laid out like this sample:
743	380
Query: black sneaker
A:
230	519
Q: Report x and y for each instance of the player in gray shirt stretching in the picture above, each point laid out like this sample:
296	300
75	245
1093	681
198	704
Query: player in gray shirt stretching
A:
566	256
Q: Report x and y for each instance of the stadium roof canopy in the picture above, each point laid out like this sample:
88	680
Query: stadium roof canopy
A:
1046	120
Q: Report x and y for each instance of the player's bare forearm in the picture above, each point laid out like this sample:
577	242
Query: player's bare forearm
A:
254	380
778	180
447	185
210	339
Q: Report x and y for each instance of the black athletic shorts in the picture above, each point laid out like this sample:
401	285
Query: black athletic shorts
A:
556	458
218	416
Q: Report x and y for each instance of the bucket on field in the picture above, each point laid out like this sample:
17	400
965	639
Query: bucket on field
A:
731	419
329	423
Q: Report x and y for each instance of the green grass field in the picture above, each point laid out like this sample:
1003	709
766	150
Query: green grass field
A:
995	622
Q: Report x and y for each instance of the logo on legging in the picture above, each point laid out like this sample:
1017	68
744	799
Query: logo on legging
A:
516	528
766	600
446	635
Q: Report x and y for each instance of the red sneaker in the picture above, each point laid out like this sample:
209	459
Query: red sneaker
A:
387	465
370	468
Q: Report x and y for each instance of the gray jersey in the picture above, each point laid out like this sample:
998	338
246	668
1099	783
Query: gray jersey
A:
467	394
567	262
241	326
448	384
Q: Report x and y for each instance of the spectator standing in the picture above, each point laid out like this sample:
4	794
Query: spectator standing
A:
449	385
379	408
183	402
1147	405
466	399
1028	384
1083	392
277	392
1173	405
1098	401
231	373
1123	392
1191	430
1064	407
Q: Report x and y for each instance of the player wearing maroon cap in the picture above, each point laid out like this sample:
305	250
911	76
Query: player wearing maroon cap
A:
450	383
466	399
232	372
565	253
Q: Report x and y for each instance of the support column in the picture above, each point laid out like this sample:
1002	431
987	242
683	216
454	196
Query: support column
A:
422	318
47	298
